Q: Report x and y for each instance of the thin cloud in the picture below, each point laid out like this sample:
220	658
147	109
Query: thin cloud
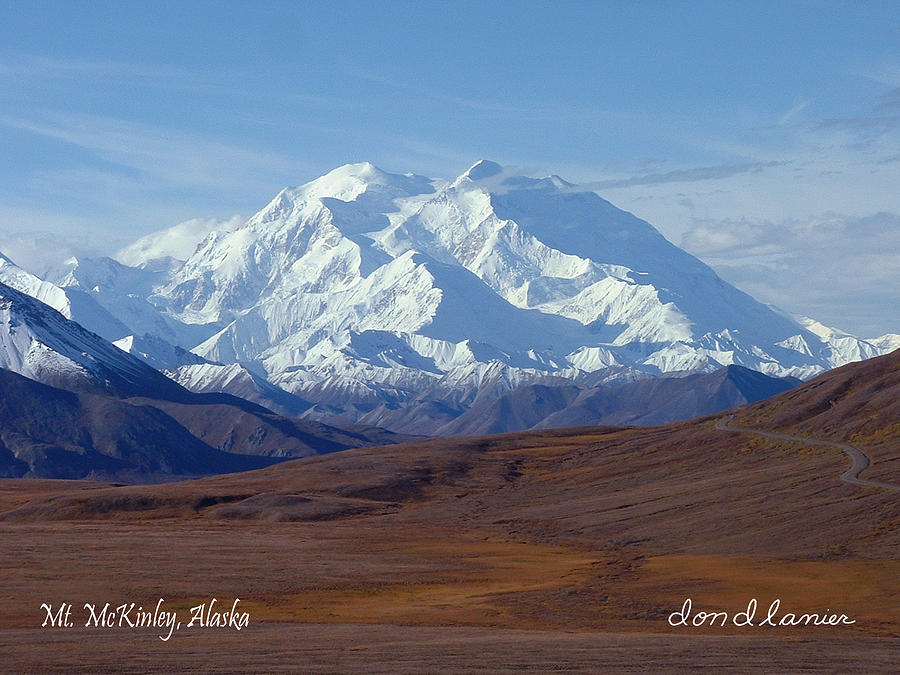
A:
792	113
890	100
131	178
25	65
879	125
40	251
841	270
523	110
881	118
684	175
76	73
163	155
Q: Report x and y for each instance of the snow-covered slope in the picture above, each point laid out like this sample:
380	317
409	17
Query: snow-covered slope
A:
105	297
234	379
40	343
157	352
845	348
72	303
124	292
177	242
886	343
364	288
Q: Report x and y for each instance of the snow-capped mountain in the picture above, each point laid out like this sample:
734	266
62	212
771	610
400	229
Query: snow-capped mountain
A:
40	343
72	303
364	288
886	343
235	379
86	292
121	291
158	353
87	408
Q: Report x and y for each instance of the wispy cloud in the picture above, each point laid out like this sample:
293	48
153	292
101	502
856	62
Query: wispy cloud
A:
703	173
41	250
867	125
171	158
80	73
793	112
839	269
523	109
122	179
26	65
878	119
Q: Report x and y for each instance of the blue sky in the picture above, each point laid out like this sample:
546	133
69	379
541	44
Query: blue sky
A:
761	136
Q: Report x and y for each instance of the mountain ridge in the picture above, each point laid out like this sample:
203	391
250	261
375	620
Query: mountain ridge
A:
362	288
645	402
551	279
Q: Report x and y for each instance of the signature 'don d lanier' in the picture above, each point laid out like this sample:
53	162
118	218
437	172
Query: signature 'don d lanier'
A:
748	618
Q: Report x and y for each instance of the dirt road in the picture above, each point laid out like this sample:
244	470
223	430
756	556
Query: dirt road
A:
859	461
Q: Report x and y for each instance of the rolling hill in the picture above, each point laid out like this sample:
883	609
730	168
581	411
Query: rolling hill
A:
537	543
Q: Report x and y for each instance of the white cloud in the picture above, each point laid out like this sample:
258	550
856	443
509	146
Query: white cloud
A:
846	168
178	241
128	178
843	271
791	115
171	157
40	251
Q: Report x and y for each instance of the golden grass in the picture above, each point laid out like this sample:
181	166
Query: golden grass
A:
864	590
463	592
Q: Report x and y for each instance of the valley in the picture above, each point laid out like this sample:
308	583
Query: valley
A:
567	546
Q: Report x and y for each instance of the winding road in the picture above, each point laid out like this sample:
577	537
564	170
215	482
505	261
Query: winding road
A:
859	461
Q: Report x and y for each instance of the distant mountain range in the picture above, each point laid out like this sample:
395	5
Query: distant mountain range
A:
647	402
490	302
689	488
72	405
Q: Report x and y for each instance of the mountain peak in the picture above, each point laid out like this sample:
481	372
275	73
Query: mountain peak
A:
349	181
483	168
365	172
345	182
